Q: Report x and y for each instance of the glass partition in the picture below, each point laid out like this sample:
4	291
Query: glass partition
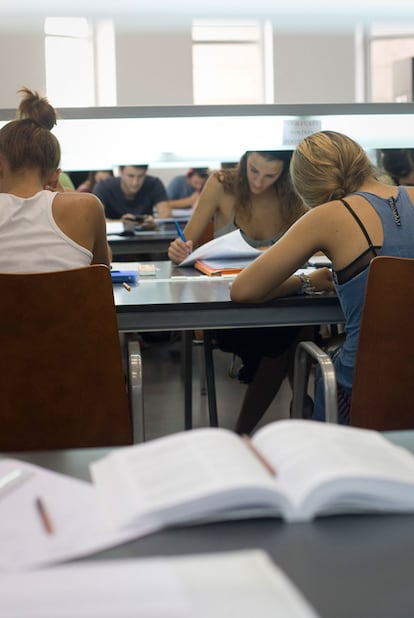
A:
184	136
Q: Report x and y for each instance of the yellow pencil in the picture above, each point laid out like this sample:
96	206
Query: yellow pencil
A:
126	286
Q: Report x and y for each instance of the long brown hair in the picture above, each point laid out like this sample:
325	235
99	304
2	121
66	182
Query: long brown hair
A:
27	142
234	181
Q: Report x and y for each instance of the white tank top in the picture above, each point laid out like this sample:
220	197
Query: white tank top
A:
31	241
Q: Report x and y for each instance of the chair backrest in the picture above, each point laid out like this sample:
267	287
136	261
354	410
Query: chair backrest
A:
384	369
62	382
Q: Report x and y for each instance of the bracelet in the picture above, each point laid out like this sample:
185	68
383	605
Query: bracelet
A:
306	285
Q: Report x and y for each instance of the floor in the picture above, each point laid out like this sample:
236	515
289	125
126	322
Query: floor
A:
164	390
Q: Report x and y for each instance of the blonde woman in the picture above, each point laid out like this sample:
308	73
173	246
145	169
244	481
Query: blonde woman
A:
353	218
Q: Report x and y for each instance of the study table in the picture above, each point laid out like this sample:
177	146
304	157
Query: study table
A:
346	566
143	244
181	299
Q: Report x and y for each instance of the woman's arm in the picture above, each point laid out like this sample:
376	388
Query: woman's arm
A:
207	206
102	253
270	275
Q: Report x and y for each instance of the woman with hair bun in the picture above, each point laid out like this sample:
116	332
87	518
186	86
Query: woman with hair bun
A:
353	218
41	228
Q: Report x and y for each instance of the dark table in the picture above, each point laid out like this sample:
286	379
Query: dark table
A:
358	566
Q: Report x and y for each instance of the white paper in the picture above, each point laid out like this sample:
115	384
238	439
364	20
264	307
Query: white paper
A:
79	526
230	245
114	227
243	584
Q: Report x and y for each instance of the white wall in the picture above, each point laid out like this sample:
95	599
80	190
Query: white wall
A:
154	68
314	68
22	64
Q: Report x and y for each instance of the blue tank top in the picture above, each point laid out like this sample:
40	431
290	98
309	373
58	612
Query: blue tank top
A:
399	242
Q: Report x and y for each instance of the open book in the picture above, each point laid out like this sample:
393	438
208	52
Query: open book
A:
211	473
227	254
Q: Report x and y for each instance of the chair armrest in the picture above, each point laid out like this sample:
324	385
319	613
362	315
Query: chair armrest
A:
304	351
135	391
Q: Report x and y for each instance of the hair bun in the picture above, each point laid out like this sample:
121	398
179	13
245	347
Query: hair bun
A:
36	108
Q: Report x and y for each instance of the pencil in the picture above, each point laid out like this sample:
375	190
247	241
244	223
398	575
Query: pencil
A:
44	516
259	455
126	286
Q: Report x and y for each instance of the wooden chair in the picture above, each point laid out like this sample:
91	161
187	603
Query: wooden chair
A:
62	382
384	368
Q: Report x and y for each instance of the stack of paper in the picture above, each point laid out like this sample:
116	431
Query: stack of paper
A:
242	584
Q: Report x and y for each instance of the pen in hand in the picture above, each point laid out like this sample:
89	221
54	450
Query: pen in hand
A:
179	231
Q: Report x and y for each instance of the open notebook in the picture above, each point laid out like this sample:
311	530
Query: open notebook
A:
227	254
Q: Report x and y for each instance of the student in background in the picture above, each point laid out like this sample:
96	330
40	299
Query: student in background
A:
40	229
353	218
92	179
257	198
132	193
184	190
66	182
398	163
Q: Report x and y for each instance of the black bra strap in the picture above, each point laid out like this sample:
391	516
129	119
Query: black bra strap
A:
358	220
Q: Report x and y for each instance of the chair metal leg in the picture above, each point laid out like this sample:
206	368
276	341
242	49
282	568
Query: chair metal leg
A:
187	351
304	351
135	391
210	379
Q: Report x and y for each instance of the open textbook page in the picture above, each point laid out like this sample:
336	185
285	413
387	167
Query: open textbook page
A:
76	525
243	584
319	469
228	246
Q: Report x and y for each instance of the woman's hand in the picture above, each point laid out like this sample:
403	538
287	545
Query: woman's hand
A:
179	250
322	280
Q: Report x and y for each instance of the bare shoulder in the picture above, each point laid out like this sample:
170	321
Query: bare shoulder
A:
213	187
78	200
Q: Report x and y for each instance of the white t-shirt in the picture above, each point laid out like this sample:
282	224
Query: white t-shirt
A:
30	240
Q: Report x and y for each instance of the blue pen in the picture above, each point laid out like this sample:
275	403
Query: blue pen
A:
179	231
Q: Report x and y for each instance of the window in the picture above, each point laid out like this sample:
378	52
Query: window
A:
80	62
230	62
69	62
390	51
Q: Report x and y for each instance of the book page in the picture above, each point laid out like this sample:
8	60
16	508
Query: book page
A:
181	477
230	245
77	523
326	468
243	584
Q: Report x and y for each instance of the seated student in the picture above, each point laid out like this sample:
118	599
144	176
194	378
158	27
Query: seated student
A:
398	163
93	177
257	198
353	218
66	182
133	192
184	190
43	230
